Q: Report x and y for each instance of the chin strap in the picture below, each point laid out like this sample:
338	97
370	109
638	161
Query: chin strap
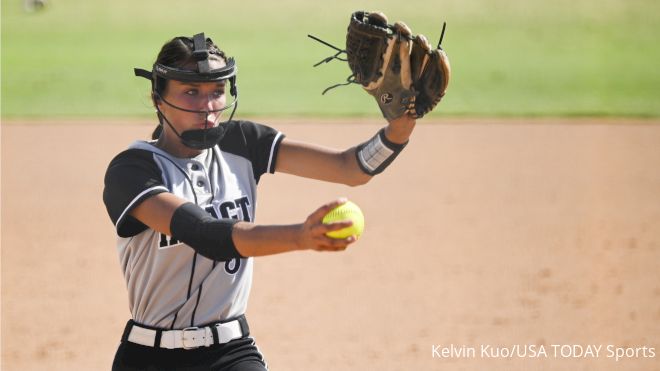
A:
199	138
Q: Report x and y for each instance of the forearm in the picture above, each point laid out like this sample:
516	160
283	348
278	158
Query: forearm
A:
331	165
354	174
260	240
217	239
320	163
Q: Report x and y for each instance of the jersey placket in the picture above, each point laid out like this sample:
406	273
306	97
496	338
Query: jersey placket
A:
200	181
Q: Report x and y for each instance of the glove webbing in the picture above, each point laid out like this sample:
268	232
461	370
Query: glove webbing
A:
350	79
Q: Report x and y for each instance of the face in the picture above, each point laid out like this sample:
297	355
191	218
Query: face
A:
204	97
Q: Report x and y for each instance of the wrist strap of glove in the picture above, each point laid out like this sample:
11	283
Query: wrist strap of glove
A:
377	153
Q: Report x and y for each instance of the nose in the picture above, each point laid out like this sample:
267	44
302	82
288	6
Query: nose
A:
204	103
213	102
210	102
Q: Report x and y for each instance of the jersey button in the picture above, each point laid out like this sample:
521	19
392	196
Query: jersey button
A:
195	167
200	183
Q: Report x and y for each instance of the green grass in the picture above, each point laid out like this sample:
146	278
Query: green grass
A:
509	57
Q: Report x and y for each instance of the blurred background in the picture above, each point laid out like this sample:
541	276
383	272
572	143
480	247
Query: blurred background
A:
74	58
525	210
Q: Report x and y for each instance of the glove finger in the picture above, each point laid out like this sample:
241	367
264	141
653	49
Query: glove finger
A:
432	83
402	29
404	44
419	56
423	43
443	61
377	19
405	48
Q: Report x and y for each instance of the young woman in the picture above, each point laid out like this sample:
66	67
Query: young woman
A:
184	203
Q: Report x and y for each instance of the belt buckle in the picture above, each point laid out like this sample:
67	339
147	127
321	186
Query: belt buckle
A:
183	337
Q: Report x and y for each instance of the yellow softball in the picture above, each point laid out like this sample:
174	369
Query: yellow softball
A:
346	211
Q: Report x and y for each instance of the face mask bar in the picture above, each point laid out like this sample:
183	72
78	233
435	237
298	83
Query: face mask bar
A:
207	111
198	138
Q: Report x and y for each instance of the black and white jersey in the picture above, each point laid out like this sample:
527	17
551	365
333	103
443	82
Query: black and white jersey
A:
169	284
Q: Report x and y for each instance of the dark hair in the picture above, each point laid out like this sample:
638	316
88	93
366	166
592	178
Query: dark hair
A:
178	53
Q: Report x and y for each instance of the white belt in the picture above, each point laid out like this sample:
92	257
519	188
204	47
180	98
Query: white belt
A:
188	338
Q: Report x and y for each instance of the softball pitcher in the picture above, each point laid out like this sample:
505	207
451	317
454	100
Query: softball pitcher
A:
183	206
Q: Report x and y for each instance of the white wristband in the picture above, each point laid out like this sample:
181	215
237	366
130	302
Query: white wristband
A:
377	153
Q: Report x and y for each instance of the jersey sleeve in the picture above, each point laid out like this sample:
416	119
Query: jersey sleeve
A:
131	177
261	144
264	143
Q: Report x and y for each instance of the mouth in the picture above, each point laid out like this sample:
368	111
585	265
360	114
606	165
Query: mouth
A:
208	124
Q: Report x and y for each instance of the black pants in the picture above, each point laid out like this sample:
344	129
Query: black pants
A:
237	355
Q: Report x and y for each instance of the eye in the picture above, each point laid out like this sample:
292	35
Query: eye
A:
219	93
191	92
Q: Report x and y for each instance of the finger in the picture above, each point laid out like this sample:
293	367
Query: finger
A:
332	248
338	242
334	244
344	241
319	213
334	226
322	228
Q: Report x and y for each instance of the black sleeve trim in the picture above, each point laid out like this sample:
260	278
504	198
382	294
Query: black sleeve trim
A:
208	236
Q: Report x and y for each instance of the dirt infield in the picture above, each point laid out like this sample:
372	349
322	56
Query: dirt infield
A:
509	235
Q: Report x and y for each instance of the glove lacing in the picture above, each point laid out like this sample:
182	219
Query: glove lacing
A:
351	78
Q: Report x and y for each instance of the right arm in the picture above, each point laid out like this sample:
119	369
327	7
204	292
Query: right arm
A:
259	240
159	212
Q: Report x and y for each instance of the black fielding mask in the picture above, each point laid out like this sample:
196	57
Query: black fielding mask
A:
203	138
197	138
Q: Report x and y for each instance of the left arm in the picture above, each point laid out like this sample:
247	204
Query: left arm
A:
331	165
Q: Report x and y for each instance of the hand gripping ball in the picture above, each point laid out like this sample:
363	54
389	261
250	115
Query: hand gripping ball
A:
346	211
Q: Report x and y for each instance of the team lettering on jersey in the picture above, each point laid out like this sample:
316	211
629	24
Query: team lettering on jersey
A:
237	209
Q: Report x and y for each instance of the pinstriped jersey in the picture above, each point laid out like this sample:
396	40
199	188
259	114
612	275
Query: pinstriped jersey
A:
169	284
